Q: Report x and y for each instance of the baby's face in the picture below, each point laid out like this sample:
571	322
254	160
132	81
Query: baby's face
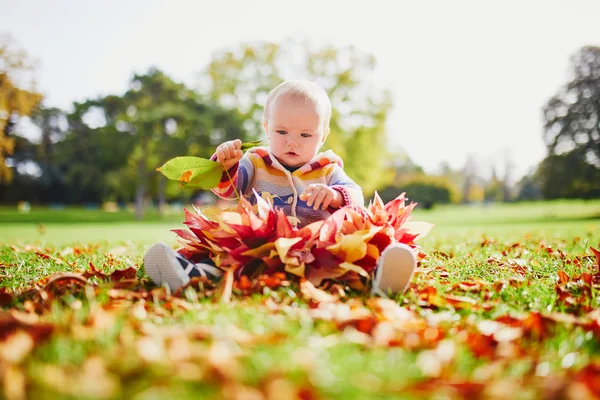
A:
294	130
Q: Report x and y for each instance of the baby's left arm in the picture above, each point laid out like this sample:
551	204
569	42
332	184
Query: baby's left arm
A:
350	191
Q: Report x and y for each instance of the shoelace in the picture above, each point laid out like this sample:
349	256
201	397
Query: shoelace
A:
202	268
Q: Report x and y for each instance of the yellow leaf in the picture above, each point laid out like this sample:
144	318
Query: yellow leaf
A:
353	267
232	217
283	246
373	251
353	247
311	292
261	251
418	227
212	213
16	347
296	270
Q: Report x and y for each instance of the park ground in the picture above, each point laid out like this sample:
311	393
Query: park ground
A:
504	305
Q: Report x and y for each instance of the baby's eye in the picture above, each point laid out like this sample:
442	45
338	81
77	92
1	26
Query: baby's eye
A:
281	132
307	135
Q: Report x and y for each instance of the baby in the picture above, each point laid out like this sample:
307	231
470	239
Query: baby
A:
306	184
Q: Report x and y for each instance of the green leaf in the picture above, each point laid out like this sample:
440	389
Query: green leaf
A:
193	171
249	145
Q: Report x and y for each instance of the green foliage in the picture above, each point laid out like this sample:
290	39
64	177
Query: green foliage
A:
249	145
564	176
18	98
241	78
528	189
572	133
427	191
197	172
76	225
108	148
193	171
494	190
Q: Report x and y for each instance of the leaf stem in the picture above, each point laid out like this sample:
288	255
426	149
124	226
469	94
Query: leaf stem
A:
232	184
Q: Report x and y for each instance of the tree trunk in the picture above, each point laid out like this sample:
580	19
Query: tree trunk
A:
162	197
162	182
141	186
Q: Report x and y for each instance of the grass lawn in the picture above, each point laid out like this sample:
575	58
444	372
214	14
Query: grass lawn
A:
504	305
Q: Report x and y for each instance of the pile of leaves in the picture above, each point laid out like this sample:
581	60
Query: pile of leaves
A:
257	240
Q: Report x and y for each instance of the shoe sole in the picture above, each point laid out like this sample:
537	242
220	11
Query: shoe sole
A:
397	268
163	267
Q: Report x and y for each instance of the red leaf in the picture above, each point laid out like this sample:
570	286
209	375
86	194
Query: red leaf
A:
331	226
93	272
128	273
9	324
588	375
5	297
283	226
198	221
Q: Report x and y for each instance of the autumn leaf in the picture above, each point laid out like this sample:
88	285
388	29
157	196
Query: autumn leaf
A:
420	228
128	273
248	145
198	172
193	171
597	254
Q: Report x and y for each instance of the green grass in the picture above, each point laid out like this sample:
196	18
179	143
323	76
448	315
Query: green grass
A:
138	342
77	225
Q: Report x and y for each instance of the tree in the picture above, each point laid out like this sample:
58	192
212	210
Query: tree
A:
242	77
494	189
572	128
94	146
425	190
17	97
565	176
472	190
53	126
168	119
528	188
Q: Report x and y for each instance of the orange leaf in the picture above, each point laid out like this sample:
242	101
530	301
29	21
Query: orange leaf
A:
563	277
185	176
597	254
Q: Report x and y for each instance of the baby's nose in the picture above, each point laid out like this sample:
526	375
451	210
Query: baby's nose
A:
292	143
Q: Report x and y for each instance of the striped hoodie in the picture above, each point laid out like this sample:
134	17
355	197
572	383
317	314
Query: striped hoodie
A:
258	169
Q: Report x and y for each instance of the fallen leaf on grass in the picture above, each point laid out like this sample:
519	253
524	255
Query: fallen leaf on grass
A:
45	256
5	297
315	295
14	383
120	274
92	379
9	324
16	347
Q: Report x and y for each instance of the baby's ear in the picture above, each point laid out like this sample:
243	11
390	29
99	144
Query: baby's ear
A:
265	126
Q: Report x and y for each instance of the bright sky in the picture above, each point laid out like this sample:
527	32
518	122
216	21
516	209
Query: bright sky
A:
468	77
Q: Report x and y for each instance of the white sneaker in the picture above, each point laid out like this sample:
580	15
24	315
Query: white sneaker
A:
165	265
394	269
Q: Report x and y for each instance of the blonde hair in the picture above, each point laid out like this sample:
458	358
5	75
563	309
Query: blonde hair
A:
303	91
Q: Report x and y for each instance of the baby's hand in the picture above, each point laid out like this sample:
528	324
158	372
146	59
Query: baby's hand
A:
321	196
229	153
